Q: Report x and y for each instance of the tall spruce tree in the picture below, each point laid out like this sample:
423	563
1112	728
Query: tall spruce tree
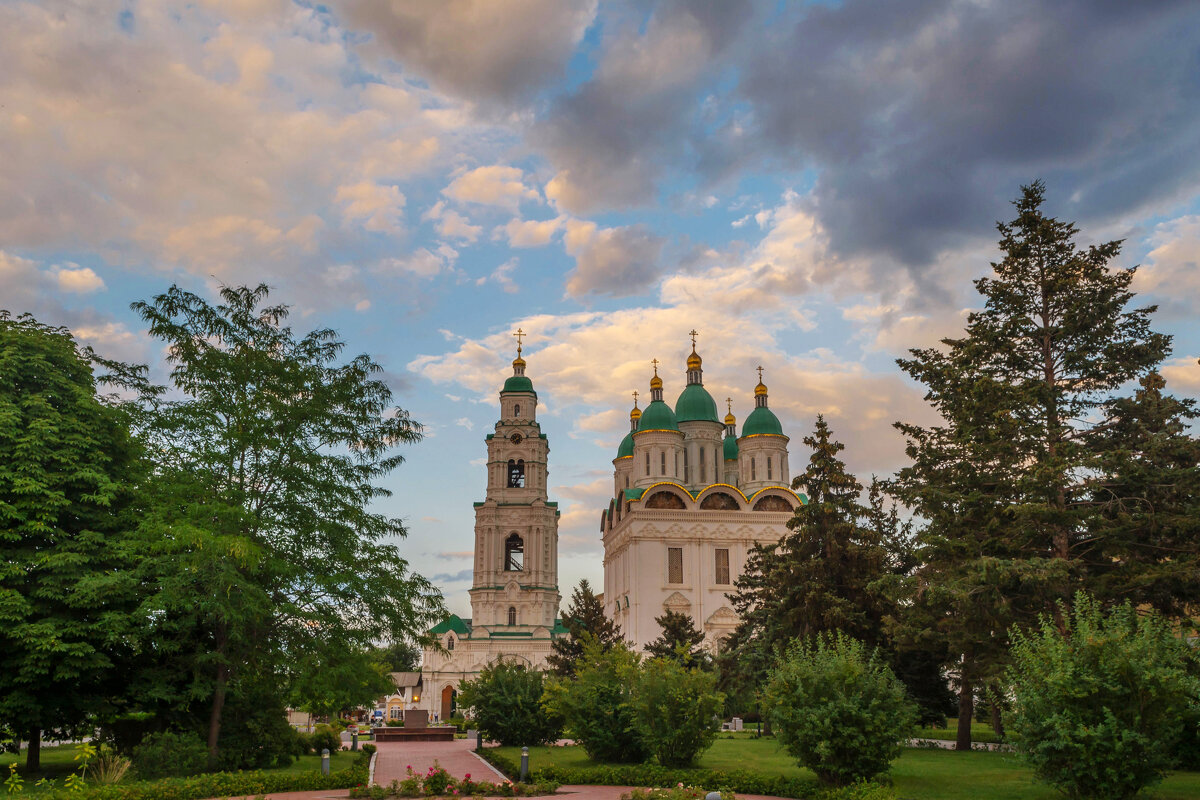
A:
69	472
585	615
679	641
1005	482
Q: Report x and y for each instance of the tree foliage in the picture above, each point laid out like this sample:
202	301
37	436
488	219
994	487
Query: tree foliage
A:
585	617
69	474
506	703
838	709
1100	698
595	704
679	641
675	710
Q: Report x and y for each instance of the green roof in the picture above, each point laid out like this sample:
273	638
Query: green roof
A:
695	403
634	494
762	420
518	383
731	448
626	447
559	628
452	623
658	416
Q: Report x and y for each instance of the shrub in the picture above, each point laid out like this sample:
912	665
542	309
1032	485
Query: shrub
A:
677	792
322	737
507	704
838	710
108	766
169	754
216	784
595	704
369	749
675	710
1100	704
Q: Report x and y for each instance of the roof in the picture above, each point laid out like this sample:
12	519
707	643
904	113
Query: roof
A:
731	448
762	420
634	494
518	383
658	416
695	403
405	679
626	446
453	623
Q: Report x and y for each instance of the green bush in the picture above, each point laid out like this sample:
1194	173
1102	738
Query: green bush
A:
506	700
675	710
324	737
860	790
215	784
838	710
369	749
595	704
437	782
169	754
1099	706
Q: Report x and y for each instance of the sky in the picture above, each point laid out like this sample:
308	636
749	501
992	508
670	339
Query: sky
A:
811	186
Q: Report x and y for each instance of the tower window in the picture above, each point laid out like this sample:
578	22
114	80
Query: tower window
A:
514	554
703	467
626	481
516	474
686	475
722	566
663	460
752	477
674	565
449	642
647	462
517	410
769	477
512	615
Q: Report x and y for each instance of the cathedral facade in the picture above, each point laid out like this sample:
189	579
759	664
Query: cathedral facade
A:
691	497
514	593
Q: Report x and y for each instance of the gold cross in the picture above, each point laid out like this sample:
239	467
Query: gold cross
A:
654	361
759	374
693	333
635	397
729	404
519	334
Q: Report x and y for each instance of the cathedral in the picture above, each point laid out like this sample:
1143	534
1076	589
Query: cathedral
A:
691	497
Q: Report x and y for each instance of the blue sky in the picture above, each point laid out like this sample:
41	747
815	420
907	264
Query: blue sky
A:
812	187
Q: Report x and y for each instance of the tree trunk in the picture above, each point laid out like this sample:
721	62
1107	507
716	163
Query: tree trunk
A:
997	723
33	753
214	718
966	711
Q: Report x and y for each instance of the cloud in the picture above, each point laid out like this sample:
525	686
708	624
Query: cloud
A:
423	262
451	224
454	577
496	185
531	232
378	208
616	261
1183	375
80	280
1171	274
502	276
465	422
484	51
455	555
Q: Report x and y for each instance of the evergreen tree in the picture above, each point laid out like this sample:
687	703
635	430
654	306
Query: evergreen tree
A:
679	641
585	614
68	473
1148	533
1005	481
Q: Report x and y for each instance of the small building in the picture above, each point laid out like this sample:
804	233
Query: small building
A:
406	696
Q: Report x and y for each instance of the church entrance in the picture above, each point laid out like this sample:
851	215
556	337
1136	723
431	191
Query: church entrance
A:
449	697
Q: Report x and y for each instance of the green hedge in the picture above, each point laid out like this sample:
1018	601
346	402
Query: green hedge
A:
739	781
215	784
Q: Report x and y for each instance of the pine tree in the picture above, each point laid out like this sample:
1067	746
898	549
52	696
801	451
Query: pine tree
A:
585	616
679	641
1005	481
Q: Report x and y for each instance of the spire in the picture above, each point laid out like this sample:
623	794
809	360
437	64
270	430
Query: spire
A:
635	414
656	390
518	362
760	391
694	362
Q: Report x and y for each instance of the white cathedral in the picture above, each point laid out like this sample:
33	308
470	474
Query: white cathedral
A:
690	499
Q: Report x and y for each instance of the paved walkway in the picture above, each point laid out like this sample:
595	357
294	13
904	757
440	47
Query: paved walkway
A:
457	757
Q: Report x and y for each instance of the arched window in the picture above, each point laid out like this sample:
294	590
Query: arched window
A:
514	554
517	410
512	615
449	642
703	467
516	474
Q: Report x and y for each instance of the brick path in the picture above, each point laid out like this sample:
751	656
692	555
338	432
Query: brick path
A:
456	757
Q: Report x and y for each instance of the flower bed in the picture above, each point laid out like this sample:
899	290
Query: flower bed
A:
215	784
437	782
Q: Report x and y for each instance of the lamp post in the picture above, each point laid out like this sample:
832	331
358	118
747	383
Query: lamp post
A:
524	776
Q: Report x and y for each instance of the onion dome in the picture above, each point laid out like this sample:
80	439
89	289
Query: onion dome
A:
731	448
656	382
694	361
695	403
625	450
658	416
518	382
762	420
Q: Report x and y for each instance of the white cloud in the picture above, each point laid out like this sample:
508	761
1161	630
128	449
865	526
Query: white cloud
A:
1183	375
530	232
465	422
495	185
451	224
377	207
617	261
423	263
79	280
1171	274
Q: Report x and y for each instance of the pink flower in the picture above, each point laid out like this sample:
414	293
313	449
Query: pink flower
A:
468	776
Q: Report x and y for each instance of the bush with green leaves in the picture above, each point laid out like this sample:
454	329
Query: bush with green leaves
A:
595	705
169	754
506	702
839	709
1100	698
675	710
324	737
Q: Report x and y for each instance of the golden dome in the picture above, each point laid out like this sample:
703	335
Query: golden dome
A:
730	419
656	382
636	413
518	362
760	390
693	361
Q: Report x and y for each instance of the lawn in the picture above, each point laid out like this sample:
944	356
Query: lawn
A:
58	761
919	774
980	732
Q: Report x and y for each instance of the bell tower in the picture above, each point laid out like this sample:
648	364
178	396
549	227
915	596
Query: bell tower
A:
516	526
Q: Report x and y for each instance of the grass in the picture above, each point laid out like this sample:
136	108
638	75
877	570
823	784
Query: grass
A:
919	774
980	732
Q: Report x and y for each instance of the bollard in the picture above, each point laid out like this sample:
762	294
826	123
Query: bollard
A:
524	776
354	741
325	761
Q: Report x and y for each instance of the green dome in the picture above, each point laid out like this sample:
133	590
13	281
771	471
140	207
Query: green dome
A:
626	448
731	448
658	416
762	420
518	383
695	403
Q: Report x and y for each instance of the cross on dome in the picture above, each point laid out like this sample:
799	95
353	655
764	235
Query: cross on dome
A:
519	334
